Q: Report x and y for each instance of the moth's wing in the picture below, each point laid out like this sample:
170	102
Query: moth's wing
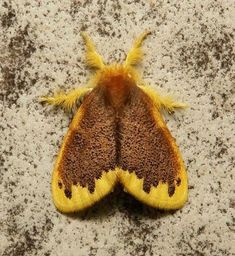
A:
151	166
85	168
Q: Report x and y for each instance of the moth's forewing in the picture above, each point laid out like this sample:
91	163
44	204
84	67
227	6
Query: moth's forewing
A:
151	166
85	168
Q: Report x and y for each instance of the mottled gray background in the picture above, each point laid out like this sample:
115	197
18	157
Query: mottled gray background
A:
190	55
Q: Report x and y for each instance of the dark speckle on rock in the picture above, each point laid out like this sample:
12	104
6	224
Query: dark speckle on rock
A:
9	17
16	57
232	203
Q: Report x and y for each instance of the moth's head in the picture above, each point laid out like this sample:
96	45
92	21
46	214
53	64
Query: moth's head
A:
117	74
116	82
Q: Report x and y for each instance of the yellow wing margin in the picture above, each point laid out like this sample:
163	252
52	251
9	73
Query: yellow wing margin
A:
81	196
158	197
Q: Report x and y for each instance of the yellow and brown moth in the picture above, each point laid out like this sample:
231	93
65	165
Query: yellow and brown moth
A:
117	135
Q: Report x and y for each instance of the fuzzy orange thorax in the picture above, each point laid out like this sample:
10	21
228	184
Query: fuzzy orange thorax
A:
116	81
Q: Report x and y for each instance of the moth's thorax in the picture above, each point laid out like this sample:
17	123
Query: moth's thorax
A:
116	81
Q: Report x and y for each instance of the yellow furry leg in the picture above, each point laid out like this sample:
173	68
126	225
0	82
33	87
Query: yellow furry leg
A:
92	57
67	101
165	102
135	55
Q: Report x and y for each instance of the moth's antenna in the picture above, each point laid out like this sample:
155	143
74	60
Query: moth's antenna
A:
135	55
92	57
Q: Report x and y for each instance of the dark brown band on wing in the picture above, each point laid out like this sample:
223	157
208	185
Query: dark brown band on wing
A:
90	148
146	148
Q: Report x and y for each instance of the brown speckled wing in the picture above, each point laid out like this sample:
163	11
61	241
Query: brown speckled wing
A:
84	170
151	165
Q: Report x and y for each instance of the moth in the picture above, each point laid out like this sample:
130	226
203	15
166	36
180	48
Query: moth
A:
118	134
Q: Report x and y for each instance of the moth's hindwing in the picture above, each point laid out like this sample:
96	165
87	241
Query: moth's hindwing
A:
151	166
85	167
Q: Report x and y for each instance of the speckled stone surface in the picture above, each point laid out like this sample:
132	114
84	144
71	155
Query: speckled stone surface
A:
190	55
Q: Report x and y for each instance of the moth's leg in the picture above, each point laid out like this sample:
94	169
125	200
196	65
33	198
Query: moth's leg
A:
92	57
163	102
67	101
168	103
135	55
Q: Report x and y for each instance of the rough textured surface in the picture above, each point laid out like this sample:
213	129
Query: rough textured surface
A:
190	54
